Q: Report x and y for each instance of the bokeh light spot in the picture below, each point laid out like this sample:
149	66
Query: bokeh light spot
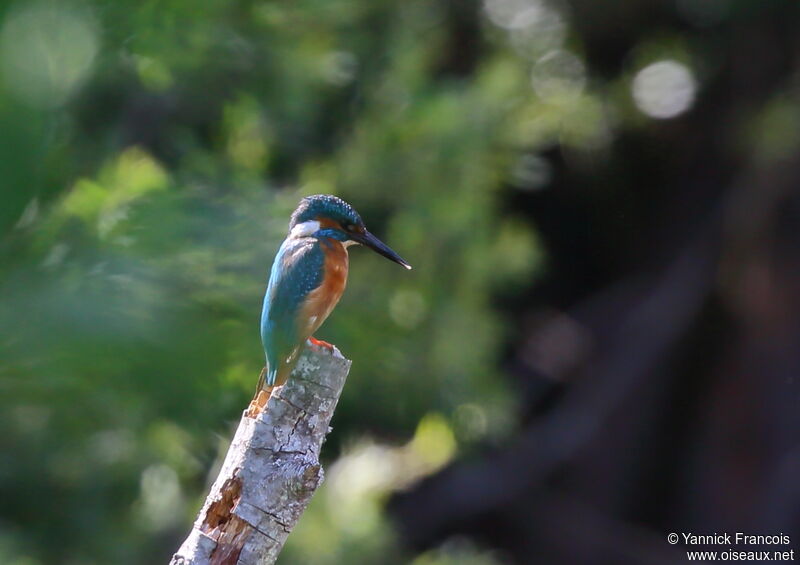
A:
46	52
471	421
557	75
407	308
537	29
339	68
664	89
161	502
510	13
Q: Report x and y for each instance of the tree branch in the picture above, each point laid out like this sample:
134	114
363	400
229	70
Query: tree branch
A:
271	470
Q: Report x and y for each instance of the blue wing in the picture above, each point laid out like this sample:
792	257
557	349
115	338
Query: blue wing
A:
298	269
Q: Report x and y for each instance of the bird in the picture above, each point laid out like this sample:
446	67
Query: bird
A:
307	279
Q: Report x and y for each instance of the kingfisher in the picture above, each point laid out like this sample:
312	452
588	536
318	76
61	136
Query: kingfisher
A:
307	279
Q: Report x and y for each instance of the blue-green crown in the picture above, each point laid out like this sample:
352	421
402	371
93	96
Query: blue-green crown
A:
325	206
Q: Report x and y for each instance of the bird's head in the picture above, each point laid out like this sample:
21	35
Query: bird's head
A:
325	215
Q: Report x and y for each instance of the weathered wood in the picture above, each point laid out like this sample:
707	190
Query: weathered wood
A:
271	470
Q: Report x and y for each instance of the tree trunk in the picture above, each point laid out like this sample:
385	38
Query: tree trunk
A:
271	470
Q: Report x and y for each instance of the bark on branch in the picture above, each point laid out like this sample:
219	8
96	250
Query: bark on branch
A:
271	470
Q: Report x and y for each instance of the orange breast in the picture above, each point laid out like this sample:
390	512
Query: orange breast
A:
322	300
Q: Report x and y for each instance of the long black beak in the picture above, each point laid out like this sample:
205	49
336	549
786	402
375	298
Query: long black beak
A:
378	246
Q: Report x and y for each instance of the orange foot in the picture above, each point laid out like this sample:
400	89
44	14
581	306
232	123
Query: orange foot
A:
320	343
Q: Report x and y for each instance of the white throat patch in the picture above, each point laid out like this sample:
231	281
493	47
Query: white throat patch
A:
305	229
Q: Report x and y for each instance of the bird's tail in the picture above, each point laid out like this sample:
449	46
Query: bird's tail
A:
267	379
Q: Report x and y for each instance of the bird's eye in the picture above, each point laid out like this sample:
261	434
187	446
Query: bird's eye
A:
350	227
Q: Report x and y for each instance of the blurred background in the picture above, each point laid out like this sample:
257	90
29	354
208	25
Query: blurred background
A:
599	343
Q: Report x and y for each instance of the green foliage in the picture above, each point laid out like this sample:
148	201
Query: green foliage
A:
150	155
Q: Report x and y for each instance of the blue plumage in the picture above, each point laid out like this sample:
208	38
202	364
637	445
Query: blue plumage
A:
298	269
325	206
